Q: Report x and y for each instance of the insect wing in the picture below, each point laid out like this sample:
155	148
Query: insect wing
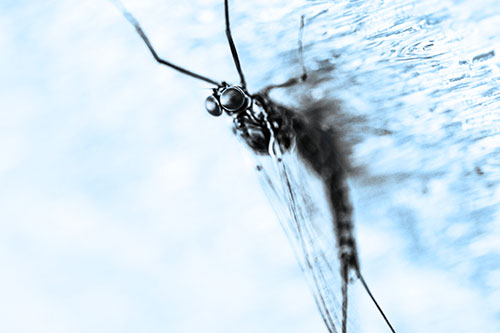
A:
299	200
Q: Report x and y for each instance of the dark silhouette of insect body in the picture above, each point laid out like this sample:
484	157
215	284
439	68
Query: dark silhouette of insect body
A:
268	128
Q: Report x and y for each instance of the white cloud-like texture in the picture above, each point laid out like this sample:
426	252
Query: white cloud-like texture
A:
114	203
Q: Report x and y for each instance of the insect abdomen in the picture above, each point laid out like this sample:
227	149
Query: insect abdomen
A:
317	147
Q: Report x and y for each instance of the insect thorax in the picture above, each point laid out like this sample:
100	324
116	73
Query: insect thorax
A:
264	127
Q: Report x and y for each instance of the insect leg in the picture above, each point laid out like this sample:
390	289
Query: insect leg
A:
301	49
234	52
303	77
118	4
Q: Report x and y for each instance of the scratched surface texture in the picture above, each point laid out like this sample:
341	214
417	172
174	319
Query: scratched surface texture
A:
125	207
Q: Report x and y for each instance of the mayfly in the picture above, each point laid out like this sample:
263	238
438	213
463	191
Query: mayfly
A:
272	130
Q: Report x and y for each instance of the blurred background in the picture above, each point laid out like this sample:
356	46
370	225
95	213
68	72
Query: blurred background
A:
126	207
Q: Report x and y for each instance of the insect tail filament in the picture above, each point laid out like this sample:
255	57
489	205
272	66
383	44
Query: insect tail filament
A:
363	282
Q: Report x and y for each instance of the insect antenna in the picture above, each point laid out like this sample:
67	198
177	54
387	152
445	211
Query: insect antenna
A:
118	4
363	282
234	52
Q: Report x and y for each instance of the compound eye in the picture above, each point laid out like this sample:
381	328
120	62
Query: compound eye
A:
212	106
232	99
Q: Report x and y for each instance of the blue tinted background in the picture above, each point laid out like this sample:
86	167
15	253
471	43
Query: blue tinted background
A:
125	207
